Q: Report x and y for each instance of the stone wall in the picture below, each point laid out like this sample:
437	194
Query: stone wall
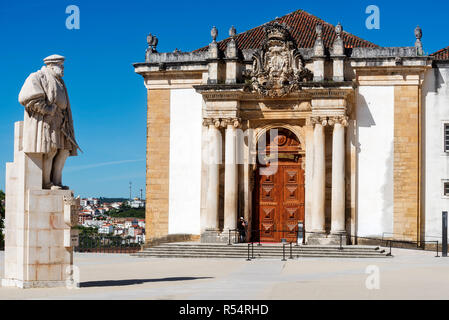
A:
158	156
435	159
406	162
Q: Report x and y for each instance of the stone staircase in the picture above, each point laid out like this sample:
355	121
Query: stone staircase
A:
265	251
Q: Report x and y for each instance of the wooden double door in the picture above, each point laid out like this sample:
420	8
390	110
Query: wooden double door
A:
279	201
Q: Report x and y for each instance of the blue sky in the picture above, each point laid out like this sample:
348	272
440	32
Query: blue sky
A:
109	100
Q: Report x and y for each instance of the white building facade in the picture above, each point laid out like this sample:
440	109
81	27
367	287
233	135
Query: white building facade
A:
296	122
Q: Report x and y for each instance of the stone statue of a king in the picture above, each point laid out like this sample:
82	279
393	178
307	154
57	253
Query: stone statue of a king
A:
48	124
40	213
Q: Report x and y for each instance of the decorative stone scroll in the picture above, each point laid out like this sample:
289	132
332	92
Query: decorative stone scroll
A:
278	67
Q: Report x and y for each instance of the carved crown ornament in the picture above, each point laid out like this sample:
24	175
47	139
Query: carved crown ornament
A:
278	67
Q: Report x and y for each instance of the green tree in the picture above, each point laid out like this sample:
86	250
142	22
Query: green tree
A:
124	206
128	213
87	231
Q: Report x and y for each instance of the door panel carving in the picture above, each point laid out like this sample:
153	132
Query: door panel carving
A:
279	197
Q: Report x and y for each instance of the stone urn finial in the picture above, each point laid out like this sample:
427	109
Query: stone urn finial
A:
319	30
152	42
214	33
232	32
418	43
339	30
318	48
418	33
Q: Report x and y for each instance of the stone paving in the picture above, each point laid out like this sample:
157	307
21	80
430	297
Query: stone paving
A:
411	274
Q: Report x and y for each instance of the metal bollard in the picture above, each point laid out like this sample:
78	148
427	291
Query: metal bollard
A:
444	235
229	238
341	247
283	252
291	251
297	237
248	254
252	250
389	254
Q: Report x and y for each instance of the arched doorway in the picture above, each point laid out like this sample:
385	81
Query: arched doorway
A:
279	187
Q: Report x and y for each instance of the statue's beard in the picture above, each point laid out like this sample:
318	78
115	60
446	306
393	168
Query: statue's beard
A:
57	72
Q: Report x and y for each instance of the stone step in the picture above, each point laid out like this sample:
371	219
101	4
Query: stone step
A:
274	251
210	253
258	250
236	256
264	247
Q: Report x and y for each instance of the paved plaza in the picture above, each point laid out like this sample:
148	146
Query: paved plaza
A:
410	274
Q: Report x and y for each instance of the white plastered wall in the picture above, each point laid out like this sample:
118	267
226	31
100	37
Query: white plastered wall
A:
185	162
375	126
436	161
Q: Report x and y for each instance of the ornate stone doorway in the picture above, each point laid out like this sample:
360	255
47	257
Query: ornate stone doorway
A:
279	196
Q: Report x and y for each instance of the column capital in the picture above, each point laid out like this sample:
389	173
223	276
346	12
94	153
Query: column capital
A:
225	122
318	120
207	122
222	122
236	122
342	120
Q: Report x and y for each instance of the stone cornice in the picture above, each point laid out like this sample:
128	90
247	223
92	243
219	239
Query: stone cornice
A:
391	75
166	76
171	79
226	92
330	93
388	68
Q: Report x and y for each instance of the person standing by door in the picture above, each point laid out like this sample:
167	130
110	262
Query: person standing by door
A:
241	226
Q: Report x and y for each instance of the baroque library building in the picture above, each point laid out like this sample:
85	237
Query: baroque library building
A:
302	129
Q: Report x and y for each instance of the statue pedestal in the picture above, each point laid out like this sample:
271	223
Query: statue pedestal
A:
38	235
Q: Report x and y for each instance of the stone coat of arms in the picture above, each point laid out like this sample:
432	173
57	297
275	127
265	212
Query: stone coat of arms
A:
278	67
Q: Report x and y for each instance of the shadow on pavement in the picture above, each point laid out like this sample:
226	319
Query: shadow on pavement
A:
114	283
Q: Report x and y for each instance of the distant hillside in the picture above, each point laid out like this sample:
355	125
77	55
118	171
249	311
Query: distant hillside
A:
127	212
110	200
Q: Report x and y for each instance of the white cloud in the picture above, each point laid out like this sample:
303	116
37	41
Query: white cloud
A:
101	164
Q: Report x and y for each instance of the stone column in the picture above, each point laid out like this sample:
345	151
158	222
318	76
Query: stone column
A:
338	175
309	178
231	170
214	161
318	176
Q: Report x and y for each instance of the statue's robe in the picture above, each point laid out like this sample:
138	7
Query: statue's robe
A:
43	94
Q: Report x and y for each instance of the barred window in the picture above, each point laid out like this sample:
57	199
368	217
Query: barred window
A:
446	189
446	137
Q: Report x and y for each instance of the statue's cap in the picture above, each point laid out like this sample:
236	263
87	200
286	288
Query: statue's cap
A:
54	58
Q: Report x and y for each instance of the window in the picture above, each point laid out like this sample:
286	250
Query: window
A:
446	137
446	189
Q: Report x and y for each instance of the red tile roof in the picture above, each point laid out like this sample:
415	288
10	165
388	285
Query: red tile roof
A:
302	28
442	54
